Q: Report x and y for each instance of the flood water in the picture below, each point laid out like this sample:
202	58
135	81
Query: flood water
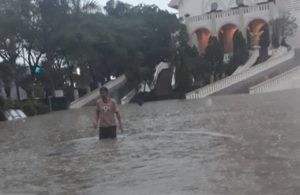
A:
235	145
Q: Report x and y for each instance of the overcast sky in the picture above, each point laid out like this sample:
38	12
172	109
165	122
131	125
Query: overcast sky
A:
163	4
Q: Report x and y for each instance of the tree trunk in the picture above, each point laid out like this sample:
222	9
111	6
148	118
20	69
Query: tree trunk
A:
7	89
31	66
49	64
18	90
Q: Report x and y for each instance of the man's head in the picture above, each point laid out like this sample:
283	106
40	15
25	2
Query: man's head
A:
104	92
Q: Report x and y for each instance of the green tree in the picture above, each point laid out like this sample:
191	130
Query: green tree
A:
181	55
56	41
199	69
61	35
157	33
152	35
83	6
289	27
240	53
117	8
214	54
12	25
282	29
33	44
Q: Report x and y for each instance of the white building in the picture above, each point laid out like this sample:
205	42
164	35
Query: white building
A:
221	18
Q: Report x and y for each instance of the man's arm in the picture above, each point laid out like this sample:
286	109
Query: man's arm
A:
120	121
117	112
97	117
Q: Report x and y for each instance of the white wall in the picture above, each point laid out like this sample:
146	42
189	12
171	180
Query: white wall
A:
222	5
199	7
190	7
228	17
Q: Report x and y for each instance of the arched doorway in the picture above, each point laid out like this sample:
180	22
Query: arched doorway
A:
258	36
259	28
226	37
203	36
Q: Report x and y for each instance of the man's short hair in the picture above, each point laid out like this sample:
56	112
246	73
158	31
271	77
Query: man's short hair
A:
104	89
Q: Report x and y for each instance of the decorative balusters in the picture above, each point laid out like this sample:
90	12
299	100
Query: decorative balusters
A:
233	79
229	13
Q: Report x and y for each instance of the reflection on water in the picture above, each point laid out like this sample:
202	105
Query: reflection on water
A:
224	145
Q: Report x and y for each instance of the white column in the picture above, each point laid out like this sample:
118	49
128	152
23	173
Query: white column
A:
214	25
242	26
272	16
194	40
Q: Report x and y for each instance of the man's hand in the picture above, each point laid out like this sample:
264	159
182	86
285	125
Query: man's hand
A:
121	128
120	121
95	124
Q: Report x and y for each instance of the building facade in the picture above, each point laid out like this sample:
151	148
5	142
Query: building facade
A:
222	18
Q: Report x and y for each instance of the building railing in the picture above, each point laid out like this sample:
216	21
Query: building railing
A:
274	82
251	61
234	79
229	13
128	97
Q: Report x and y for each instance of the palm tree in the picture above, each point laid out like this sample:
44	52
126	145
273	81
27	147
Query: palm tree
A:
83	6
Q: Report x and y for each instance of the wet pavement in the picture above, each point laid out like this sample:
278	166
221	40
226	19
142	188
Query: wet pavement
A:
235	145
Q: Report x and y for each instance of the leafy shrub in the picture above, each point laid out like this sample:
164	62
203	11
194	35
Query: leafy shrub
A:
42	108
30	107
11	104
1	102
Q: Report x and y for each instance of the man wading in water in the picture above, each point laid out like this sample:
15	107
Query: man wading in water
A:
105	116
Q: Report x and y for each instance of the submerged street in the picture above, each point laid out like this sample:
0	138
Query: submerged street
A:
222	145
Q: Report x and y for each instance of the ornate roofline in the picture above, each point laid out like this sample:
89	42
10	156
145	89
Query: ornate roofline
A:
174	4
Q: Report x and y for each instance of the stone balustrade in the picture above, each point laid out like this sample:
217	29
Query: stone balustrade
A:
234	79
287	80
229	13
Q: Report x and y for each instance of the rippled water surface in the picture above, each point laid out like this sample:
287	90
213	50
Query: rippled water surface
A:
231	145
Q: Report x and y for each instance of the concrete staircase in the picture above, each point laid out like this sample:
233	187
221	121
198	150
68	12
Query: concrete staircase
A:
251	61
284	81
113	86
282	61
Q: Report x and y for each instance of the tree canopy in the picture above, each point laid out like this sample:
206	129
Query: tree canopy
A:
59	36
